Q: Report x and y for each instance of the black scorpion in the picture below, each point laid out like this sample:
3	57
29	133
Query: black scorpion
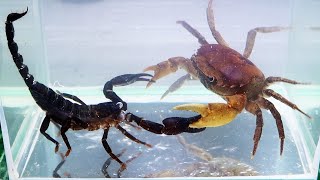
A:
77	116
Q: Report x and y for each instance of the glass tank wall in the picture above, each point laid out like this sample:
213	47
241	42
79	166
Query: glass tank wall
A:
76	46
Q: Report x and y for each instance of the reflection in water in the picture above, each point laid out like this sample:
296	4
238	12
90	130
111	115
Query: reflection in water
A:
210	167
55	173
104	168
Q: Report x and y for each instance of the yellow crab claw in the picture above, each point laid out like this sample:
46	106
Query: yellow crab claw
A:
212	114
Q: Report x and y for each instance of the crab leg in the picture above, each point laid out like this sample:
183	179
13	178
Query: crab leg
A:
210	18
268	105
177	84
253	108
252	36
270	92
194	32
199	152
271	79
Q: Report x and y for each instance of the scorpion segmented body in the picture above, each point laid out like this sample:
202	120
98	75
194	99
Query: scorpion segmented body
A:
76	116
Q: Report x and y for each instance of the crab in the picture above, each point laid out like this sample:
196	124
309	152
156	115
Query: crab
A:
229	74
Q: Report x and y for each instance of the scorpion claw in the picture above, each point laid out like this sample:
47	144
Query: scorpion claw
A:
178	125
127	79
171	125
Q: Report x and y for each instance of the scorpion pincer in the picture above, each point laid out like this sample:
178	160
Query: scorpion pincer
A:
76	116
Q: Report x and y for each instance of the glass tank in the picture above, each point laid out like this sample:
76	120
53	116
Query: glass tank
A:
76	46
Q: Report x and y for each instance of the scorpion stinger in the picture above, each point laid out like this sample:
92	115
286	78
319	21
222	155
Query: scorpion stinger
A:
76	116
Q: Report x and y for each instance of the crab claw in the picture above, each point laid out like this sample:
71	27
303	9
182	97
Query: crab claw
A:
160	70
212	115
166	67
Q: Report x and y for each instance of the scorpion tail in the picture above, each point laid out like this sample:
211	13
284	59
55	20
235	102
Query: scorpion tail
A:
15	16
13	47
41	93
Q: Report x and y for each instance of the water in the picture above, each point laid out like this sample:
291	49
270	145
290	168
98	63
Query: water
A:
232	143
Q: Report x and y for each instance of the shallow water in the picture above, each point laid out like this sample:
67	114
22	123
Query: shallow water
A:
231	141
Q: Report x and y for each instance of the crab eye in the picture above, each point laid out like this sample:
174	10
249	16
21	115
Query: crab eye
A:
211	79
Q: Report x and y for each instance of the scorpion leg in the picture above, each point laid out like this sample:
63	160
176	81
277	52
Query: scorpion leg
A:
252	36
124	132
122	80
109	151
55	173
108	162
171	125
64	129
43	129
73	97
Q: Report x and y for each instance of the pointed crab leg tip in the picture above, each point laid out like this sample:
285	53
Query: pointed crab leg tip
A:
150	68
252	156
163	97
149	145
305	114
149	84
